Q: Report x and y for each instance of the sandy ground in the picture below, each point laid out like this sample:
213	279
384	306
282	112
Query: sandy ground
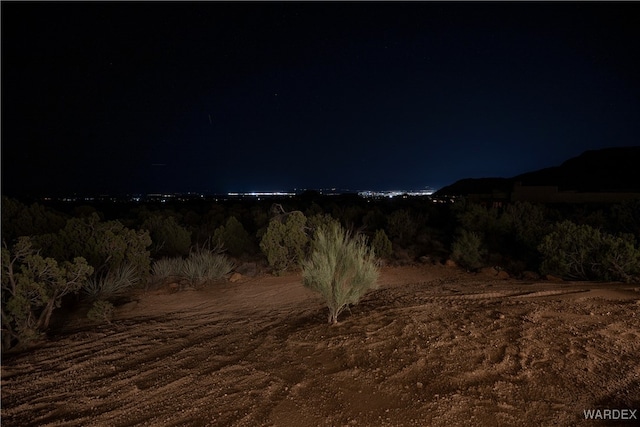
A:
431	347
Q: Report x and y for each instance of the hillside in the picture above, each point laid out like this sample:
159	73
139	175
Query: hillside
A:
606	170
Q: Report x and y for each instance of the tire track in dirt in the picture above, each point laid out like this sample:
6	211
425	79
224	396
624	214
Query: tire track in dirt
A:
440	352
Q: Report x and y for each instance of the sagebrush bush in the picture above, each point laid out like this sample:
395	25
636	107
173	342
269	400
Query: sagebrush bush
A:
204	266
341	268
467	250
381	244
582	252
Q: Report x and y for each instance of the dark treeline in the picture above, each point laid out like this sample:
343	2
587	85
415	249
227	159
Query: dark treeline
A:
55	249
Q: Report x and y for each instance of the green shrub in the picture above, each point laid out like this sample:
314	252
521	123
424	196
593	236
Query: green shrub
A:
317	221
584	253
626	217
526	222
285	241
374	219
168	238
19	219
402	226
105	245
101	311
114	283
32	287
204	266
234	237
467	250
381	244
342	269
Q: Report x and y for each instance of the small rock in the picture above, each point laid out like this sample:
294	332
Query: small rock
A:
419	384
248	269
235	277
488	271
503	275
450	263
530	275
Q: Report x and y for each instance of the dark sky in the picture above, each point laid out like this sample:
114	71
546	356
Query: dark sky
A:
213	97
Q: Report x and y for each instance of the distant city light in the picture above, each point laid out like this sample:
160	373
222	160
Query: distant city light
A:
259	195
396	193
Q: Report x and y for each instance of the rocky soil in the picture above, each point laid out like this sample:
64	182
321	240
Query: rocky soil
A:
433	346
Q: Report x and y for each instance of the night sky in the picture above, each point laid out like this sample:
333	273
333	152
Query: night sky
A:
217	97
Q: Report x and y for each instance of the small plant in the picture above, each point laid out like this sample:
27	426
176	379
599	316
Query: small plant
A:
113	284
203	266
101	311
341	268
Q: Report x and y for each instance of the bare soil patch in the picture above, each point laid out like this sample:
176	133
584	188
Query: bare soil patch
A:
432	346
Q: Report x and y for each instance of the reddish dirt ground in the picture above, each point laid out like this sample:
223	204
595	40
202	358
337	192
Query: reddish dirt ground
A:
431	347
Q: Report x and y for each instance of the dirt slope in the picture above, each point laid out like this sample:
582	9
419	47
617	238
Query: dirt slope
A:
431	347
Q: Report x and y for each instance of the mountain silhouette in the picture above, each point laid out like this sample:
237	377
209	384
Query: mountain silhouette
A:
609	170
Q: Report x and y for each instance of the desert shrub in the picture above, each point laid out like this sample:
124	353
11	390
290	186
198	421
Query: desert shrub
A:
341	268
467	250
105	245
584	253
285	241
524	225
381	244
317	221
19	219
526	222
234	237
168	238
101	311
32	287
401	225
374	219
626	217
112	284
477	218
165	268
203	266
313	209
